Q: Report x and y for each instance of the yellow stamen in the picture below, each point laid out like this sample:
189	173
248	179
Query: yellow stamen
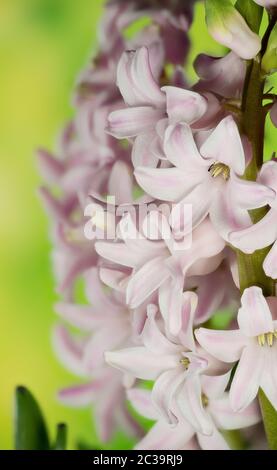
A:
205	400
220	169
185	362
261	340
267	338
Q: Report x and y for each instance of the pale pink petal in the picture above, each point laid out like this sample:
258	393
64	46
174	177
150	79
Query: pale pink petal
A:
213	442
191	406
50	168
189	305
226	346
130	122
258	235
141	401
269	376
215	386
251	195
270	262
247	378
79	395
121	183
181	150
200	198
80	316
118	253
142	153
184	105
140	362
143	80
268	173
169	184
226	215
164	392
254	316
162	436
152	337
135	79
145	281
224	145
68	351
225	418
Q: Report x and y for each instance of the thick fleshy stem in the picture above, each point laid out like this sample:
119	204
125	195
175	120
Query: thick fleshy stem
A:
251	271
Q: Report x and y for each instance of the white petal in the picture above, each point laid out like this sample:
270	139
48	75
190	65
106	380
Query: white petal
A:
168	184
270	262
146	281
246	382
130	122
142	403
226	346
254	316
224	145
257	236
184	105
190	403
181	150
225	418
140	362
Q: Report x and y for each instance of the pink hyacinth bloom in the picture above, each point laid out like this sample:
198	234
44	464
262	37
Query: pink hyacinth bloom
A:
150	108
253	345
153	264
174	363
216	406
222	75
263	233
207	178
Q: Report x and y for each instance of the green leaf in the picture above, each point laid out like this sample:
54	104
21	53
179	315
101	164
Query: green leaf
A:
270	420
251	12
61	437
30	429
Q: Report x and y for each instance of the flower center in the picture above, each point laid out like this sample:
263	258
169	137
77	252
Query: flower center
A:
220	169
267	338
185	362
205	400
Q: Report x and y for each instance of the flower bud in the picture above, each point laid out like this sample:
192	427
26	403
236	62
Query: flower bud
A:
269	62
228	27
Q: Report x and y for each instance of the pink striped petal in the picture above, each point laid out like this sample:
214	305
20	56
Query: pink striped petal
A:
254	324
246	382
215	147
184	105
131	122
226	346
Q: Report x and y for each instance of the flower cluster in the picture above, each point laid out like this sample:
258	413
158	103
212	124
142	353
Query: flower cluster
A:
154	303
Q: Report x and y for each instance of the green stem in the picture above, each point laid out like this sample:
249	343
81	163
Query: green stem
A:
250	267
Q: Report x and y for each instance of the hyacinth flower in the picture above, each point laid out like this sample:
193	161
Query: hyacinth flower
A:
263	233
184	436
153	264
175	364
253	344
189	145
105	324
208	178
229	28
150	108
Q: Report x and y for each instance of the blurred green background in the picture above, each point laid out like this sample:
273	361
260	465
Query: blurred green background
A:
43	45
